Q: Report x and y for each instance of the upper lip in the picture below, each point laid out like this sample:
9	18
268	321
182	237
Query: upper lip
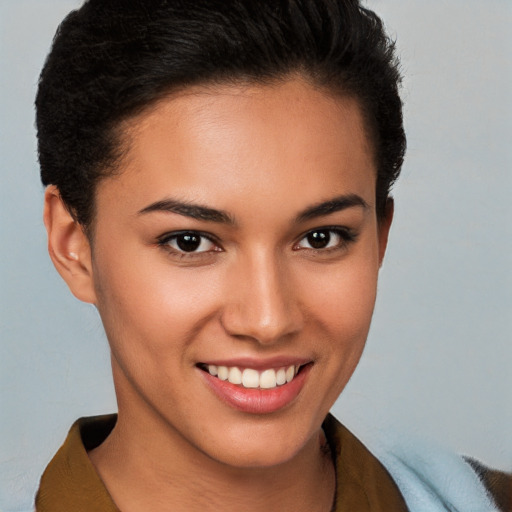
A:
259	363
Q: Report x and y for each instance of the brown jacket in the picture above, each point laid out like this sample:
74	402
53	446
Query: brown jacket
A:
70	482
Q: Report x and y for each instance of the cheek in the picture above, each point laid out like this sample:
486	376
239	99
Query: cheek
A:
152	308
345	315
343	307
343	299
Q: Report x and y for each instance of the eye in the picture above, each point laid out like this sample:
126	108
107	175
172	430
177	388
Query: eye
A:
326	238
188	242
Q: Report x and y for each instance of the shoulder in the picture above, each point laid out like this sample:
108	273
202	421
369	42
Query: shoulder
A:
70	481
428	476
362	481
497	483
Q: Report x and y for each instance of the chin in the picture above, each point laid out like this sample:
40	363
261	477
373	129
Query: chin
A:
259	455
262	444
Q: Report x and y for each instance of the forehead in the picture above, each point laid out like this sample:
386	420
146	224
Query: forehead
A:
242	143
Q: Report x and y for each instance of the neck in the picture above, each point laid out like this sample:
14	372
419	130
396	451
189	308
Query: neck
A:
164	472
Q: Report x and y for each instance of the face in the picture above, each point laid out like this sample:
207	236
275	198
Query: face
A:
235	262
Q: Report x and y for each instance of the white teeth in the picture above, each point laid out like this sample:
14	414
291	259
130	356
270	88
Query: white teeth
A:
250	378
222	372
235	375
268	379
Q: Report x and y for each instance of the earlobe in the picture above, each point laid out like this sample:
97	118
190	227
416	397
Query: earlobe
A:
68	246
384	227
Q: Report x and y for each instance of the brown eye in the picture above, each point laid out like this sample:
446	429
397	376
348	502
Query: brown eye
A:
189	242
319	239
326	238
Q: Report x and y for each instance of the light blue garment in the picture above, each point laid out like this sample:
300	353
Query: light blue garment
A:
433	479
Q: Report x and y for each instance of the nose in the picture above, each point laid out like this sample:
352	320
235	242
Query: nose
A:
262	302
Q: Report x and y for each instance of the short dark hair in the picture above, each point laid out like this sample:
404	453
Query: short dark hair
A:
111	59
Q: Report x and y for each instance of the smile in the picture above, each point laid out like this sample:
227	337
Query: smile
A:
250	378
256	386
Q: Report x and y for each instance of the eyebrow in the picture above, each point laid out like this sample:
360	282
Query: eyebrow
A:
331	206
204	213
195	211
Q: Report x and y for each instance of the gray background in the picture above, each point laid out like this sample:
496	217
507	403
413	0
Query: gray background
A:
438	360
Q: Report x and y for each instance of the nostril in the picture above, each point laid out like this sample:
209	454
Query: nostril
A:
266	330
263	306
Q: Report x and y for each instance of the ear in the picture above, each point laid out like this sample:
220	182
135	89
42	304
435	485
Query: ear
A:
384	227
68	246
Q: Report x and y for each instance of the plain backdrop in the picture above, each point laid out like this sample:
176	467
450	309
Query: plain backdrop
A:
438	360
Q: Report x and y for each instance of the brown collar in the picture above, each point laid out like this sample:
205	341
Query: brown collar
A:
70	481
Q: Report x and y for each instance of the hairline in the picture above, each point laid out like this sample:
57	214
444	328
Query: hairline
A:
123	130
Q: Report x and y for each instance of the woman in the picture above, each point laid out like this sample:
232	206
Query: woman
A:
218	185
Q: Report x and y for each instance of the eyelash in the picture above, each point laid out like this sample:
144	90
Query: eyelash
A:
346	236
165	240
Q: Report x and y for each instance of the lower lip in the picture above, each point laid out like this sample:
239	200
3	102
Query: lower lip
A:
257	401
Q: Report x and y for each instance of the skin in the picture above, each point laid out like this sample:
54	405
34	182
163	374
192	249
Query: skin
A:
262	155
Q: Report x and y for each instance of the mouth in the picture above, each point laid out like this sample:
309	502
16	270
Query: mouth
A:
256	388
251	378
